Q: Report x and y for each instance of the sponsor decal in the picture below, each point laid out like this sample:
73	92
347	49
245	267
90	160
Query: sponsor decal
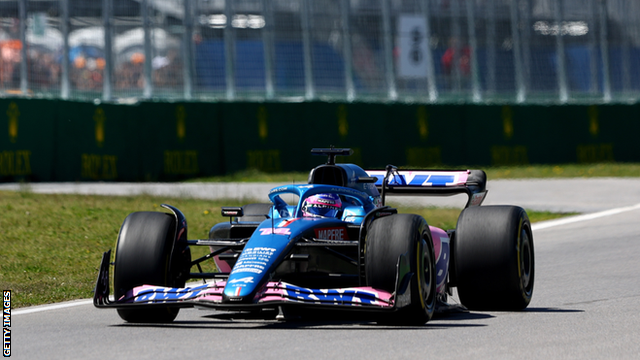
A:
246	280
253	260
384	213
335	296
181	122
476	199
333	233
263	128
276	231
15	162
6	323
153	294
181	162
99	167
99	118
351	216
343	123
279	189
13	114
422	178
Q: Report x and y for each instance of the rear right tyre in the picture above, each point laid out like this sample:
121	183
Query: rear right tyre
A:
494	258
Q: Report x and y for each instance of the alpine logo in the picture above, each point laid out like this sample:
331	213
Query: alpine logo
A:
246	280
334	233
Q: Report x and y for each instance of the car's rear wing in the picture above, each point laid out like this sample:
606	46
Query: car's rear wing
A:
432	182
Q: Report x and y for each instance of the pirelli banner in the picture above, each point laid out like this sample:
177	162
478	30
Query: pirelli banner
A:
55	140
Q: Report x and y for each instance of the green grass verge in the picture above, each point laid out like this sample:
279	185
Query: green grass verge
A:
51	245
510	172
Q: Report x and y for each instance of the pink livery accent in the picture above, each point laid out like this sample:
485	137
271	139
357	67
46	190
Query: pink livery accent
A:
271	292
442	254
421	178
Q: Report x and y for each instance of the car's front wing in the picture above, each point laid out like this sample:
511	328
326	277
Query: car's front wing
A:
274	293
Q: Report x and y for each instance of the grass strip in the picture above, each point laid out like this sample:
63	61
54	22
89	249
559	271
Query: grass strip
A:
51	244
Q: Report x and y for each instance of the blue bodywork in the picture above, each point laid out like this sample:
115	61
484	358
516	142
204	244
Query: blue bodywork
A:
275	238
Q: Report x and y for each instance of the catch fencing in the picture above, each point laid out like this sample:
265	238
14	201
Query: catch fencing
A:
424	51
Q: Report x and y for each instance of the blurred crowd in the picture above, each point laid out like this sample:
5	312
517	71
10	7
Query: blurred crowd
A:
86	69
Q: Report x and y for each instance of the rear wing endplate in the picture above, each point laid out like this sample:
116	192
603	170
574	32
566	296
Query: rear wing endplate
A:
432	183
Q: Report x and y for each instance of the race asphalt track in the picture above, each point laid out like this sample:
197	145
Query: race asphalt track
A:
586	303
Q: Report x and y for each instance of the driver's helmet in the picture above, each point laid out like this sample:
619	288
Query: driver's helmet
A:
322	205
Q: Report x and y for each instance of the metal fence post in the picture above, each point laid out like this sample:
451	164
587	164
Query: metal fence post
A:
476	96
64	76
309	87
625	53
455	43
229	51
108	50
525	46
146	24
563	91
490	13
24	84
187	49
604	50
593	49
521	92
392	93
431	72
346	50
267	43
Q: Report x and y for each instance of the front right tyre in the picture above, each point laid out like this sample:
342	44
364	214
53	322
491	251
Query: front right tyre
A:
144	257
409	235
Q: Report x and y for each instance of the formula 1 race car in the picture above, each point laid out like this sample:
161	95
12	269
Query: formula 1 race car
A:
337	247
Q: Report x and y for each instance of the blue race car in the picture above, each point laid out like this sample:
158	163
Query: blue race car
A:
337	246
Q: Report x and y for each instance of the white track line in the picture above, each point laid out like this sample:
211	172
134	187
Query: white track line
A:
573	219
40	308
537	226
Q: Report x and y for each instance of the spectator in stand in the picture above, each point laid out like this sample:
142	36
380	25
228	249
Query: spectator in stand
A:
456	64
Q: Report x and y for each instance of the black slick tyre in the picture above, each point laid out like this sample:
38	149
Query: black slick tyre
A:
493	258
387	239
143	255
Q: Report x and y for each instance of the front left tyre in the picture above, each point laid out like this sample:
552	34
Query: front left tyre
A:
144	257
